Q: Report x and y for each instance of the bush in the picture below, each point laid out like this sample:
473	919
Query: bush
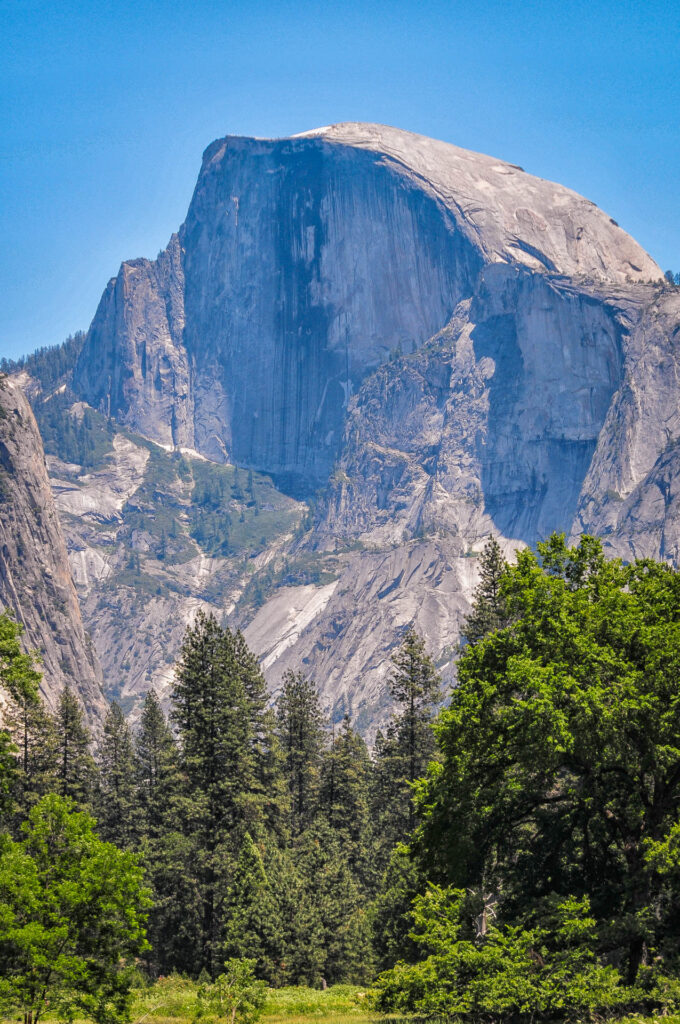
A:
546	971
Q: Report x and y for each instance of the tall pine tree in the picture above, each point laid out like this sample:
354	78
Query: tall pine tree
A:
301	733
345	801
76	770
116	803
214	716
489	609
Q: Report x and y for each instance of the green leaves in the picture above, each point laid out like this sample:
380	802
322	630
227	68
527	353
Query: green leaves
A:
234	995
506	972
72	915
561	748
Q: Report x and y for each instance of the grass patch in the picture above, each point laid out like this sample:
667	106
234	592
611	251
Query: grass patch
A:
173	999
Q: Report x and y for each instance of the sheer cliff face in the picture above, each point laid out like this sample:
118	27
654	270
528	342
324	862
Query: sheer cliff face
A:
35	578
440	343
302	265
305	264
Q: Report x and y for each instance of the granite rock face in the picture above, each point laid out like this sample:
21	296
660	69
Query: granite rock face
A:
434	344
35	577
302	265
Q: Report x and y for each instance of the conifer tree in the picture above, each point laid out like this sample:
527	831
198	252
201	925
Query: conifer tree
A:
272	783
166	852
302	955
213	713
253	927
29	724
116	803
301	731
415	686
489	609
340	910
345	797
156	768
34	732
76	771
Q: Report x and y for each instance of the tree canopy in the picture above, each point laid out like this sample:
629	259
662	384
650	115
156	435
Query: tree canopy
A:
72	915
560	754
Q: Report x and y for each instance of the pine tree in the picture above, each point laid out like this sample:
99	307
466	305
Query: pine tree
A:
253	926
116	804
29	724
156	769
301	958
340	920
415	686
34	732
301	732
489	608
213	713
344	800
166	852
76	771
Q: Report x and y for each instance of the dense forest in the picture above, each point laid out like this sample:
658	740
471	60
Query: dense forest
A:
519	858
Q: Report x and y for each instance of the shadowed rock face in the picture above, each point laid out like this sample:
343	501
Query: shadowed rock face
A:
35	578
305	265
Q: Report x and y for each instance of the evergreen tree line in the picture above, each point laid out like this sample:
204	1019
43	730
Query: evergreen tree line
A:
263	833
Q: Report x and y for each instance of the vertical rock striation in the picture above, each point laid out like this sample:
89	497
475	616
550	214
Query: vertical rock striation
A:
35	578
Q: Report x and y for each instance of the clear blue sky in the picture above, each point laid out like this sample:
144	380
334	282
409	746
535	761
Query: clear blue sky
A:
107	107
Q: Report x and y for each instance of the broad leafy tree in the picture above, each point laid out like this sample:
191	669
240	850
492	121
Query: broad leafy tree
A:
72	913
561	749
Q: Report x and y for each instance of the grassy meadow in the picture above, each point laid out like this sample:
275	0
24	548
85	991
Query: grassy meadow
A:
173	999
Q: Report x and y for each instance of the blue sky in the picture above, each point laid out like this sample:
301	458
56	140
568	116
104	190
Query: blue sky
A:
107	107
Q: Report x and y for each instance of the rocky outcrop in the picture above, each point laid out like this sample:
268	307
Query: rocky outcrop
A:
629	494
35	578
136	368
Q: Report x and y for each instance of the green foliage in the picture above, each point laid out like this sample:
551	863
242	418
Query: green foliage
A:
402	755
253	921
49	365
400	884
76	770
84	439
235	995
72	913
489	608
301	733
561	751
549	971
30	734
225	519
116	799
344	800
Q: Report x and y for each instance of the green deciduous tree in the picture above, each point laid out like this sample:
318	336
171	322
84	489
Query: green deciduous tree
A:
235	995
508	973
561	747
72	912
